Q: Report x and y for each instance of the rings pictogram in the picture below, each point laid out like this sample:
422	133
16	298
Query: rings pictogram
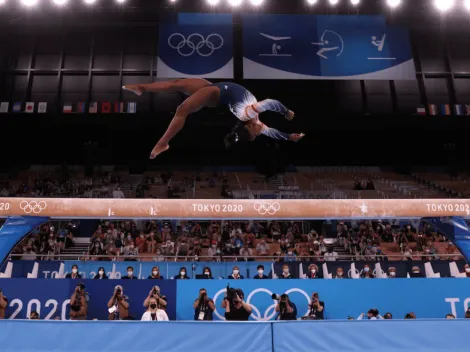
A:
195	42
264	208
32	206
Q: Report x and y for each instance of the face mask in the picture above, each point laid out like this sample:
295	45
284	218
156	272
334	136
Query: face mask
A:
313	271
260	272
155	272
392	273
290	253
101	272
236	272
74	271
340	273
132	247
153	306
285	270
415	272
182	273
366	270
467	270
141	236
206	273
130	273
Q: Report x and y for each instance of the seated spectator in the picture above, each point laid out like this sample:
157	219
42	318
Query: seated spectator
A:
410	315
339	274
331	255
153	313
130	252
392	272
140	242
158	256
372	314
29	254
285	272
278	257
182	249
262	248
34	315
260	274
156	275
388	316
467	270
246	253
367	272
467	313
74	274
313	272
182	274
208	273
130	274
416	272
235	274
101	274
290	256
3	304
452	251
450	316
96	249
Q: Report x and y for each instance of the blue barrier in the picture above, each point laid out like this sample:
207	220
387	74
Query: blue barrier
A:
51	298
338	336
427	298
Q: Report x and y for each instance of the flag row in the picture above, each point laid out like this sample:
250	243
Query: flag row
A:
70	108
445	110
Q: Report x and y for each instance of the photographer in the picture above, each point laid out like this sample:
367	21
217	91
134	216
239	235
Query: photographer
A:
316	309
159	298
287	309
3	304
235	307
118	307
203	306
79	303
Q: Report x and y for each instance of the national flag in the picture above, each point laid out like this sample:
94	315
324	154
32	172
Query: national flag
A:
42	108
17	107
93	108
432	109
119	107
81	107
445	109
106	107
131	108
4	107
29	108
421	111
460	109
67	108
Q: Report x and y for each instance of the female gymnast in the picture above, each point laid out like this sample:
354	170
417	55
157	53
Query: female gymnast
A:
202	94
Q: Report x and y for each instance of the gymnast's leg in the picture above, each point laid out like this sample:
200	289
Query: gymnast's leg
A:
187	86
205	97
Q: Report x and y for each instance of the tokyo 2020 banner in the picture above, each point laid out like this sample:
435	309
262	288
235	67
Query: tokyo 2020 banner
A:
325	47
197	45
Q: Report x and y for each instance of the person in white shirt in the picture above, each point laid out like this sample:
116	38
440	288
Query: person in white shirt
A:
153	313
372	314
330	255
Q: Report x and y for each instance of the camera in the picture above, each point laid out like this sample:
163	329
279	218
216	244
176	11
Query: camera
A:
118	291
282	298
155	292
231	293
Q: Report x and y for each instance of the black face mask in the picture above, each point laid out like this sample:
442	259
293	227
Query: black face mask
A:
153	306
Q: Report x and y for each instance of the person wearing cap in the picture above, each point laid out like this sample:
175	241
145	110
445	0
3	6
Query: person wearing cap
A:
79	303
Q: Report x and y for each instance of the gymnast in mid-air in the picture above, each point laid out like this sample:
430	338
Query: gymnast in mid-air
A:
202	93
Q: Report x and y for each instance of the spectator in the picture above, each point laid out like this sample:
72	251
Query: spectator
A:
262	248
388	316
372	314
450	316
208	273
130	252
415	272
285	272
79	303
392	272
203	306
367	273
35	315
156	275
313	272
29	254
339	273
316	309
467	313
246	253
140	242
117	193
290	256
3	304
74	274
331	255
237	309
118	307
260	274
467	270
101	274
182	274
130	274
410	315
155	294
159	256
153	313
286	308
235	274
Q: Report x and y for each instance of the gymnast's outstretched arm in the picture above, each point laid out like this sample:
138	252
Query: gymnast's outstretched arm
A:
275	134
272	105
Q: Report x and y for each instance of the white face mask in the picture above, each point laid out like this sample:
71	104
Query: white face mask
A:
290	253
130	273
74	271
285	271
236	272
415	272
366	270
392	273
182	273
101	272
313	271
155	272
339	274
467	270
260	271
206	273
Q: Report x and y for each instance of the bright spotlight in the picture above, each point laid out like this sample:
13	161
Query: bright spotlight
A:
312	2
333	2
29	3
355	2
257	2
235	2
89	2
467	4
60	2
393	3
213	2
444	5
120	1
2	2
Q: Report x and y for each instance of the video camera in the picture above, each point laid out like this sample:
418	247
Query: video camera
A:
282	298
232	294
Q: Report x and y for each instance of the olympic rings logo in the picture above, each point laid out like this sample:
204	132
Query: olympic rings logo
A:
270	312
32	206
195	43
264	208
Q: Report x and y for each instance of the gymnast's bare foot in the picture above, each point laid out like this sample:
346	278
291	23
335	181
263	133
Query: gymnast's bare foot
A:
134	88
290	115
158	149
